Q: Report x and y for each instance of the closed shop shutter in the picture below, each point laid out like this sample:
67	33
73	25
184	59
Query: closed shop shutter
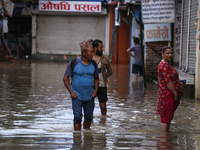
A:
62	34
192	37
184	34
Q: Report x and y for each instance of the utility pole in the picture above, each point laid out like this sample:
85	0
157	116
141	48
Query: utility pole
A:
142	48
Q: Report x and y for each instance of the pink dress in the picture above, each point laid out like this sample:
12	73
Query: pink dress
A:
165	102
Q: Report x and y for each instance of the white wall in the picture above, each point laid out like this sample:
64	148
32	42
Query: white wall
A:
135	33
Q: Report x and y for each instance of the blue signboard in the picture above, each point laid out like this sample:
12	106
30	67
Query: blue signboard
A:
157	32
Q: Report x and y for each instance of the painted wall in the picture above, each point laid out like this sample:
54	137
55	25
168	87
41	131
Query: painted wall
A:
152	59
177	31
122	40
197	75
135	33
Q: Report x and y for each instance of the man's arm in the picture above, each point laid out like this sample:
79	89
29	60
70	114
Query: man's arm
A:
20	43
96	80
129	51
21	47
109	69
96	86
68	86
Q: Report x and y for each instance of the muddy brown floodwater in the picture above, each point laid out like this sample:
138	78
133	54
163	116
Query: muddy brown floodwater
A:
36	113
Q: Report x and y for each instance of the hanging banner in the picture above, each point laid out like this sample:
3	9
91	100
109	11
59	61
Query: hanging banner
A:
8	6
1	9
158	11
5	25
157	32
21	9
73	6
177	28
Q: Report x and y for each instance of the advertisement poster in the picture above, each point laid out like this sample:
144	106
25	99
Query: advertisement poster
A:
158	11
21	9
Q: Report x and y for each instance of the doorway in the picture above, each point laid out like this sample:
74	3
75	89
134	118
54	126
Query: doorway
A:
16	26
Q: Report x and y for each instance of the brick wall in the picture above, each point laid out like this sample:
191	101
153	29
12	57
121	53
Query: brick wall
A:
152	59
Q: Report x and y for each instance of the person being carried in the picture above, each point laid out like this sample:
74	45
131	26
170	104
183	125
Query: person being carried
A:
105	70
85	82
137	66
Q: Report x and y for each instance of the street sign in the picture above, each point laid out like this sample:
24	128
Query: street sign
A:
157	32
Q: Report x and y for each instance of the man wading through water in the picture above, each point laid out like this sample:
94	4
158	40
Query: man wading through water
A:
105	70
85	82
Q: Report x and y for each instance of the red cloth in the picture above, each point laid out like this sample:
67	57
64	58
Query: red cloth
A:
166	73
170	108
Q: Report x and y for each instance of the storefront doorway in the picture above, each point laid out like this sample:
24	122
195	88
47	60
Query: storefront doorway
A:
16	26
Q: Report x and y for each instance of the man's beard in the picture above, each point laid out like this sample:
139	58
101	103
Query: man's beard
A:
99	53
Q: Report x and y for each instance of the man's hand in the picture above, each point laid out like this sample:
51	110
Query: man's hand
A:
129	51
133	55
94	94
23	48
73	95
68	86
96	86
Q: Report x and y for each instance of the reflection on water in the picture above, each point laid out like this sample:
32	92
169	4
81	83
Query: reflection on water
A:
36	113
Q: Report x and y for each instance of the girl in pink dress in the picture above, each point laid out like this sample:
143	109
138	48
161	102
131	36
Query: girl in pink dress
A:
169	89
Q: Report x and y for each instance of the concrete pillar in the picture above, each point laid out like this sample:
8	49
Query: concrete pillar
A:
106	44
34	29
197	74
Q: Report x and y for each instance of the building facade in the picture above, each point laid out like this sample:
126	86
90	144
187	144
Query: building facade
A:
189	42
57	31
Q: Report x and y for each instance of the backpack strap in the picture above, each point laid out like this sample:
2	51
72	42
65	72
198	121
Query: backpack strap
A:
94	64
74	60
73	64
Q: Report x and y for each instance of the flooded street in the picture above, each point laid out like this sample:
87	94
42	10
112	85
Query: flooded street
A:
36	113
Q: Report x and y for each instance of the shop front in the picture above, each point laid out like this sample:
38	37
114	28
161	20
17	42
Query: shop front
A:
187	59
158	18
59	26
20	22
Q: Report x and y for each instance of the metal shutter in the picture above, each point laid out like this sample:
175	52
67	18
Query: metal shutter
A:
62	34
184	34
192	37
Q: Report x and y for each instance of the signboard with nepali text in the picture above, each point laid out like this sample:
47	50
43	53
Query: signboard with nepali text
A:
70	6
158	11
157	32
177	32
